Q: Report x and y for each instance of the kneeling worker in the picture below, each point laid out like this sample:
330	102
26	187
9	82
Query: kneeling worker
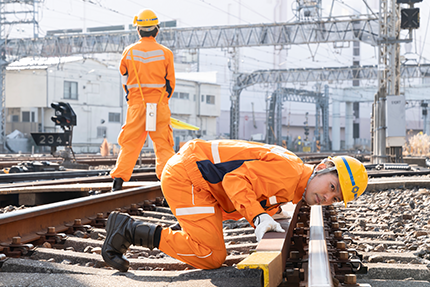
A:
208	182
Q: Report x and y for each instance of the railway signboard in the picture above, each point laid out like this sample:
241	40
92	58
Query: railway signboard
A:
52	139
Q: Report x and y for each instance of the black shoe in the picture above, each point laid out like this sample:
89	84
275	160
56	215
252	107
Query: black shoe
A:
175	226
122	231
164	203
117	183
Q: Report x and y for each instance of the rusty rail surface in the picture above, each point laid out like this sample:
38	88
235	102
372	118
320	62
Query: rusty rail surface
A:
26	223
28	176
90	160
138	176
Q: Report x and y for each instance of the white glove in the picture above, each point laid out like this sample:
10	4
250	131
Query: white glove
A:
281	214
264	223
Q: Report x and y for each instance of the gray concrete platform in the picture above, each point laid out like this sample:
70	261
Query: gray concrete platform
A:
395	283
22	272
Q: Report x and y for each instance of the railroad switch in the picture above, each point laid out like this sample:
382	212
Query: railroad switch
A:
17	249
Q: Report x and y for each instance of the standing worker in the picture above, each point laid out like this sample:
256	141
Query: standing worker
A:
148	78
208	182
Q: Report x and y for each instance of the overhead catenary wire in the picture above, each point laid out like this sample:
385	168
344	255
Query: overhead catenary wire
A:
104	7
256	12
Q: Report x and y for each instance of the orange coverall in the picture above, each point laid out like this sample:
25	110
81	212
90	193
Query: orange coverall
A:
154	65
208	182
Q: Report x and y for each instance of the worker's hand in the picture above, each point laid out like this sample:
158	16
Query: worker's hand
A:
281	214
264	223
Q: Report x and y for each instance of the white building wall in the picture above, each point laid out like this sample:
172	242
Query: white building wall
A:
98	95
25	88
202	108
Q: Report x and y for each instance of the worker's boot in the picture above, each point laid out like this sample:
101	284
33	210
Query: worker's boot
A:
122	231
164	203
117	183
175	226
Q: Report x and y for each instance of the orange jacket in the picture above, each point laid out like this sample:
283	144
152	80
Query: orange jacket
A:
246	177
154	65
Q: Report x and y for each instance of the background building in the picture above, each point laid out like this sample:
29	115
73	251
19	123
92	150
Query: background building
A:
94	91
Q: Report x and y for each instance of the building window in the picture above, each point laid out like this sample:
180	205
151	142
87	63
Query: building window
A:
194	98
356	130
175	95
185	96
114	117
210	99
71	90
15	118
26	117
203	98
101	132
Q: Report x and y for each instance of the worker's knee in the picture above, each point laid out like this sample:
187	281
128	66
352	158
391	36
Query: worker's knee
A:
216	259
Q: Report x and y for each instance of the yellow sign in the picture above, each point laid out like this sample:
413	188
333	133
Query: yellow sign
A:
306	149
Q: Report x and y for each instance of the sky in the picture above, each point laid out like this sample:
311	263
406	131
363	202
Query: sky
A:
69	14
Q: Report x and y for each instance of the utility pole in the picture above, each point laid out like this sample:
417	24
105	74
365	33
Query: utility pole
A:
235	97
7	18
279	102
391	135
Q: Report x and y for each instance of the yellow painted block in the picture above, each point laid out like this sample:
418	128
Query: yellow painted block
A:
177	124
269	262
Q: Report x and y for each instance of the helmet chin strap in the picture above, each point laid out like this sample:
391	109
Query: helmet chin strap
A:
309	180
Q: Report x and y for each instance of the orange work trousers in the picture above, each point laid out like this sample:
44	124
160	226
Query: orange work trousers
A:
133	136
200	243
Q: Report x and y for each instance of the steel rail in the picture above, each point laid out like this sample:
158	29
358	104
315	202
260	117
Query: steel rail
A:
137	176
27	222
319	274
90	161
29	176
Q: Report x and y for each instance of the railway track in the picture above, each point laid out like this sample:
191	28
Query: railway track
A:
90	160
35	188
361	247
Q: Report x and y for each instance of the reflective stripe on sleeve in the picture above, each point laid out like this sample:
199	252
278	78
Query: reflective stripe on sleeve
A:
124	79
195	210
215	152
272	200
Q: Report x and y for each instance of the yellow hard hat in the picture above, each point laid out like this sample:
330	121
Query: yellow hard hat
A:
352	177
145	18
